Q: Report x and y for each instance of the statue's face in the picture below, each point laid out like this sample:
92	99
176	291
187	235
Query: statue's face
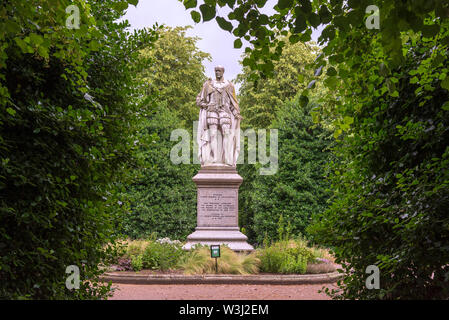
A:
219	73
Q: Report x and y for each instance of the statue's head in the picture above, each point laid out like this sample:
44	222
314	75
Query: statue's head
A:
219	71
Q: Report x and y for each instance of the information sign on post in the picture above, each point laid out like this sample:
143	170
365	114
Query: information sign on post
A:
215	253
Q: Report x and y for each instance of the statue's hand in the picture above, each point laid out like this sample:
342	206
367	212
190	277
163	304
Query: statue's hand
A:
238	116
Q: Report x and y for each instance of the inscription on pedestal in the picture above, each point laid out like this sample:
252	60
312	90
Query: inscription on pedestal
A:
217	207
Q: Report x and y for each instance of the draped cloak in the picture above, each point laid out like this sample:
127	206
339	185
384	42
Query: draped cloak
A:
203	137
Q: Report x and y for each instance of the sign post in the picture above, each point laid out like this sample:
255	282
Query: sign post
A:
215	253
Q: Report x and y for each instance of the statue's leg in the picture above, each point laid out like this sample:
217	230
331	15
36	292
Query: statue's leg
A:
228	149
214	142
212	122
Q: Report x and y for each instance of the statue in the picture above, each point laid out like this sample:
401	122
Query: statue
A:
219	122
217	181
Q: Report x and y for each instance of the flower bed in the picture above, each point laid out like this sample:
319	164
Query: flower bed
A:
167	256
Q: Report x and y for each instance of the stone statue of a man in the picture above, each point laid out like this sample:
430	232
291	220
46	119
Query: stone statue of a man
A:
219	122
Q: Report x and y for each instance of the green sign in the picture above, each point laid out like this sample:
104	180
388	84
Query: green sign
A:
215	251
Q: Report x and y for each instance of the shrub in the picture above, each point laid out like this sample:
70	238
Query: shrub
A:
162	256
294	264
163	196
271	259
298	190
286	257
137	262
67	123
136	247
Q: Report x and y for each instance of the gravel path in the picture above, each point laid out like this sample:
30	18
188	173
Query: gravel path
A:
220	292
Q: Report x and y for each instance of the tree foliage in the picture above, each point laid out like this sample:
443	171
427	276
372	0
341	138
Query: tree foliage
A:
262	98
341	20
177	73
298	190
163	196
69	105
392	184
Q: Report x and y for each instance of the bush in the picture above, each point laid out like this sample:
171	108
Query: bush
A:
286	257
161	254
298	190
163	196
271	259
69	106
137	262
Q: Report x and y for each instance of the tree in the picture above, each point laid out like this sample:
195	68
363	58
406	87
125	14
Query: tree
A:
341	20
178	72
163	196
298	190
392	185
69	109
262	98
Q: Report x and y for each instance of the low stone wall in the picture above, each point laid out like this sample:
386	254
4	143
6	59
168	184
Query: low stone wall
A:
118	277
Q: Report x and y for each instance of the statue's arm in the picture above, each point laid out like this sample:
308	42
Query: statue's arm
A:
234	105
201	99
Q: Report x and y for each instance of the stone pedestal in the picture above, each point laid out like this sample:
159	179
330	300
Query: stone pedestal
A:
217	209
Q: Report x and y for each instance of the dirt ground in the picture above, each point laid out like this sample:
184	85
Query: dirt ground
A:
220	292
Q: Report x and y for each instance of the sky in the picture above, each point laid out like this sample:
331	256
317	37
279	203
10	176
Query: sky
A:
219	43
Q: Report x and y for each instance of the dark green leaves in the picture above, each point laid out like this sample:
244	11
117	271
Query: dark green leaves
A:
208	12
300	23
230	3
224	24
238	43
188	4
331	82
324	14
284	4
294	38
303	100
327	34
314	20
261	3
196	16
60	186
331	71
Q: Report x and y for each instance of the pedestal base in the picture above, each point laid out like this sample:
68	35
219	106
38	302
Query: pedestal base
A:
217	212
231	237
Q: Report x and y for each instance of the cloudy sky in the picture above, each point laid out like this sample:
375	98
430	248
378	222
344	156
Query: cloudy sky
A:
214	40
